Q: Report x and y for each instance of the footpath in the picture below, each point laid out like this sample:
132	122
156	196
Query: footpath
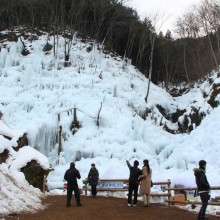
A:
104	208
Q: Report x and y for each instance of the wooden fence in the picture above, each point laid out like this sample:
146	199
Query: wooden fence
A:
185	189
108	186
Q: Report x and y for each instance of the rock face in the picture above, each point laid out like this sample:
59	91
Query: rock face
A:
22	141
34	171
34	174
4	156
214	93
185	125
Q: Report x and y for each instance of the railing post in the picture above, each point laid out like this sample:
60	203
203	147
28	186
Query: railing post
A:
169	191
60	141
86	187
44	184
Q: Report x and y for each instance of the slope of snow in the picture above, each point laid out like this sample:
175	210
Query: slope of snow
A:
36	89
16	195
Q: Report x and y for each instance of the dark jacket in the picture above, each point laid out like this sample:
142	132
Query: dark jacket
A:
71	176
93	176
135	172
201	180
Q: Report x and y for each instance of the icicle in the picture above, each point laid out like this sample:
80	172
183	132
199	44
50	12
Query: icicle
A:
46	139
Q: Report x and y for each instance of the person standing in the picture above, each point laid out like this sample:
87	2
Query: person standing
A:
71	176
203	187
135	172
93	178
145	185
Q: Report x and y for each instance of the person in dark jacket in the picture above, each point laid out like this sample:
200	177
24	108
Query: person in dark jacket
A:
93	178
71	176
135	172
203	187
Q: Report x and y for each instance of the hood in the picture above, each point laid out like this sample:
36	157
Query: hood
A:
197	171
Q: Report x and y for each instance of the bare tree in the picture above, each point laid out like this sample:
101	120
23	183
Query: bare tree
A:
154	31
206	17
67	28
54	21
144	41
188	25
184	58
213	18
167	55
131	39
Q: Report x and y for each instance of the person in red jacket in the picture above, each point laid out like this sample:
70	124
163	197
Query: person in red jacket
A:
71	176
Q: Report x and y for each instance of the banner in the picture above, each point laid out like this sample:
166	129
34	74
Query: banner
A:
113	185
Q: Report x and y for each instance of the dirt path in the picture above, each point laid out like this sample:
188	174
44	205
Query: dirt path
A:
102	208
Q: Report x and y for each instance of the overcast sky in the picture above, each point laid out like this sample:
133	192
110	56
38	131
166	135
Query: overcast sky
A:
169	9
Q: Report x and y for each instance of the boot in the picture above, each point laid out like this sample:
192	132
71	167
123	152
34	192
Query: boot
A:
145	199
148	200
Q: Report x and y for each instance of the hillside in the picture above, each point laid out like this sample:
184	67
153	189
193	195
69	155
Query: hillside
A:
39	94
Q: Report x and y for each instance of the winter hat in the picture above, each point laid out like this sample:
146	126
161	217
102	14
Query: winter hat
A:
72	165
93	165
146	161
136	163
202	163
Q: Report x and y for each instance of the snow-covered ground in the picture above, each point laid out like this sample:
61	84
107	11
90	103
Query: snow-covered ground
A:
15	193
37	88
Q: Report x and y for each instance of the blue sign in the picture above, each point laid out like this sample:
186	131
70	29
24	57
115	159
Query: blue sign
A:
111	185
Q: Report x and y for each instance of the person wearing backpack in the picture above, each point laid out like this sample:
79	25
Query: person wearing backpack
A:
146	182
135	172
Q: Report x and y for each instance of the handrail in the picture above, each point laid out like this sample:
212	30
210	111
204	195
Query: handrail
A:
108	180
168	189
169	201
168	183
195	188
